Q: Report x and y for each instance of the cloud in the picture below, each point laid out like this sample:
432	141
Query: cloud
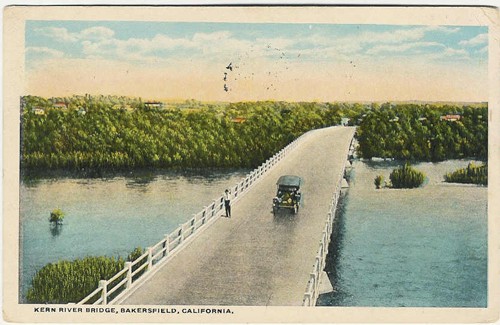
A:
162	47
395	41
63	35
452	52
57	33
96	33
101	42
216	36
449	54
475	41
403	47
400	35
484	49
44	52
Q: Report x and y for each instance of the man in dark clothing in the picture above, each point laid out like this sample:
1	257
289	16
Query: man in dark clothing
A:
227	203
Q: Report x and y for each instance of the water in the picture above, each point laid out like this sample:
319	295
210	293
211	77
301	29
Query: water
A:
424	247
109	216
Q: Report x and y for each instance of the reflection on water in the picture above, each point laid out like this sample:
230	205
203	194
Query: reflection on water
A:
55	229
111	215
424	247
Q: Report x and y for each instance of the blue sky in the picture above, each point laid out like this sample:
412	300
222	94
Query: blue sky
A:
266	57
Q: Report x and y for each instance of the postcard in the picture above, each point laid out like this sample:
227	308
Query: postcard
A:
251	164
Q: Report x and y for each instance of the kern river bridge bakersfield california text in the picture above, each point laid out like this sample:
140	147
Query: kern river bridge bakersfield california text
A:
133	310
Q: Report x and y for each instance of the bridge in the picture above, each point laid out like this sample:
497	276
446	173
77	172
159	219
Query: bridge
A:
252	258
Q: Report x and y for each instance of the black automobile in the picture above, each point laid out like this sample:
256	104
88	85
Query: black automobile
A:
288	195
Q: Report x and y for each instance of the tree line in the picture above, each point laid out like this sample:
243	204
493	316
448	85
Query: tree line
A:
113	133
99	134
424	132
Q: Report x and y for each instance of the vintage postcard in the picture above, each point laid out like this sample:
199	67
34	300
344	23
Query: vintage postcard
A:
251	164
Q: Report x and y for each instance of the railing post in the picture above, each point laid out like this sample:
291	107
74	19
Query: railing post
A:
313	278
166	246
150	258
128	266
103	284
306	302
212	208
221	203
204	215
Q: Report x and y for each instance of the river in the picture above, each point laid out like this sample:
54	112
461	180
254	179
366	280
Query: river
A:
424	247
111	215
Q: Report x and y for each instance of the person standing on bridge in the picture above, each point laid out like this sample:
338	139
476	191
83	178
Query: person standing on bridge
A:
227	203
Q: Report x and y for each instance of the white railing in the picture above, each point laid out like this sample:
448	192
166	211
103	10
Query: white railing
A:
120	284
312	288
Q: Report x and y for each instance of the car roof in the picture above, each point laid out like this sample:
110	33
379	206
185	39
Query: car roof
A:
289	180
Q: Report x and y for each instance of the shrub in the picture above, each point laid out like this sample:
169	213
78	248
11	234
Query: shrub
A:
406	177
71	281
473	174
135	254
378	181
57	215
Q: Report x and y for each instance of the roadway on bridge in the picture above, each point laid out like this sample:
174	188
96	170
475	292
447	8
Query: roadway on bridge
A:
254	258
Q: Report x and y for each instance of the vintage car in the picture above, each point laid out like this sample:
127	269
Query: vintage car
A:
288	195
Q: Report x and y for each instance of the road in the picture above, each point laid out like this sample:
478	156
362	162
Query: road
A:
254	258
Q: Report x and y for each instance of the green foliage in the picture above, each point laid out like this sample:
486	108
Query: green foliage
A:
378	181
406	177
120	133
57	215
418	132
71	281
135	254
473	174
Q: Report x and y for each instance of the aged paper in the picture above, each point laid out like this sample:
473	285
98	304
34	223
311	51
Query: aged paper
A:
26	27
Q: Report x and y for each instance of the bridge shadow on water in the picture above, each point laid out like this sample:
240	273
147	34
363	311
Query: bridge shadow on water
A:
338	295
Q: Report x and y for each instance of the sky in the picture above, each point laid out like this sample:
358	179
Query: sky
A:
257	61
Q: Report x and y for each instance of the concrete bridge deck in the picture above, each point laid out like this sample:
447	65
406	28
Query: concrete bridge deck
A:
254	258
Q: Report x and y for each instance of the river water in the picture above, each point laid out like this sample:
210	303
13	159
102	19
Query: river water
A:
415	248
424	247
109	216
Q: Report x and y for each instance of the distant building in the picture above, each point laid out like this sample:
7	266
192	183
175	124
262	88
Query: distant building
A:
238	119
451	118
38	111
153	105
344	121
60	105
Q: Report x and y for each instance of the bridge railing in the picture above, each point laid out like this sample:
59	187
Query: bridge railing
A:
312	288
120	284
